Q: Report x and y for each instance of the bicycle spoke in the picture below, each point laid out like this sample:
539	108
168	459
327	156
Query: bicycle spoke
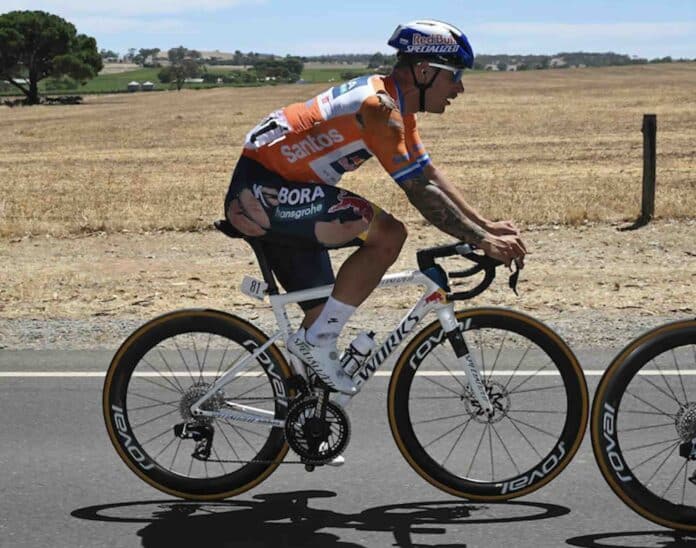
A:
500	439
198	362
661	465
219	460
446	433
544	411
648	404
205	354
664	378
174	385
523	436
166	364
440	418
660	452
553	387
166	430
478	446
490	448
174	438
648	427
449	371
234	427
681	380
466	425
682	467
250	390
443	386
222	431
162	386
534	427
654	385
134	426
171	466
651	444
500	349
530	377
181	355
483	358
152	406
222	360
149	398
517	367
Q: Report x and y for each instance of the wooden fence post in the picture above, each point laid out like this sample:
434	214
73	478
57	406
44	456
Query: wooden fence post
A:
647	209
649	152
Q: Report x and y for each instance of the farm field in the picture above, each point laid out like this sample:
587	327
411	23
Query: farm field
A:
106	208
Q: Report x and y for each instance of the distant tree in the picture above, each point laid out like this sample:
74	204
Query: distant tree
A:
377	60
107	53
144	53
502	66
35	45
183	63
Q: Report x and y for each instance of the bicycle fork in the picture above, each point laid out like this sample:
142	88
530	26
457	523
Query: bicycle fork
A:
461	351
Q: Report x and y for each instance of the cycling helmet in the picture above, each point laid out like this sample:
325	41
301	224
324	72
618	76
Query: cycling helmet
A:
442	45
435	41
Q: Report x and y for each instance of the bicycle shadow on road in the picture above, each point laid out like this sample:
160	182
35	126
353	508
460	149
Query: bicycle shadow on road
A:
285	520
636	539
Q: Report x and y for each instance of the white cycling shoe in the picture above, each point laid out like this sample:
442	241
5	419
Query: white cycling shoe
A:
323	360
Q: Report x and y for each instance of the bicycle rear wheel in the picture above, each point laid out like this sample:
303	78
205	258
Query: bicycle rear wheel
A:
537	389
166	366
643	413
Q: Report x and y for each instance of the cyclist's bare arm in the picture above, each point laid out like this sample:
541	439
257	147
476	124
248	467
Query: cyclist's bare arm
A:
437	204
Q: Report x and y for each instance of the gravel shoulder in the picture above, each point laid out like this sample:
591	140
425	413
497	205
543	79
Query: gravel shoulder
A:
597	286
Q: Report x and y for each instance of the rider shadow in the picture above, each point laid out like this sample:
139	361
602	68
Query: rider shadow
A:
636	539
285	520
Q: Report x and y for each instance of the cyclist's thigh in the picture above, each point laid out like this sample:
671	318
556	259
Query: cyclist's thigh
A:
260	203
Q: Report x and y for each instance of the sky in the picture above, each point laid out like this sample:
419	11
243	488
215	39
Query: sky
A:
655	28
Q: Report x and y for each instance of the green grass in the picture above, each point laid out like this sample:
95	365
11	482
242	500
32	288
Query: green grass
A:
114	83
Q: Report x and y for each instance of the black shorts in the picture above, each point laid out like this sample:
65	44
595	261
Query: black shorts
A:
294	214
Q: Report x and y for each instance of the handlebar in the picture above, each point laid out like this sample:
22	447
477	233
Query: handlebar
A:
426	259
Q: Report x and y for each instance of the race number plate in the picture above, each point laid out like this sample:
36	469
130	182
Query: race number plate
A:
254	288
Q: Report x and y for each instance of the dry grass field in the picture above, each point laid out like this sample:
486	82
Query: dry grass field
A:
91	193
540	147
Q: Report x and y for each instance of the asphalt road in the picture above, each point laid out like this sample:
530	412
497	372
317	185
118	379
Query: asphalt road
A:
62	484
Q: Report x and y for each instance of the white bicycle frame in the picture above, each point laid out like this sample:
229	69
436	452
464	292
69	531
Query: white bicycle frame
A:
433	299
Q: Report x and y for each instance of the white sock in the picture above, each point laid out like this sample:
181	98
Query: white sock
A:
327	327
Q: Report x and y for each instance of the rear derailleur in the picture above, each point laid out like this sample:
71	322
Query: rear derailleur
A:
202	434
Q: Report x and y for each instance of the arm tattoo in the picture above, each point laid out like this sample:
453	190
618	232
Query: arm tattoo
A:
439	209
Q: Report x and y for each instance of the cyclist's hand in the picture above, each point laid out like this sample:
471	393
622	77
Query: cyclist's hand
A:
506	248
502	228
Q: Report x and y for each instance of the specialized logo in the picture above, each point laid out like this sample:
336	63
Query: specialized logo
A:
358	205
436	43
271	197
311	144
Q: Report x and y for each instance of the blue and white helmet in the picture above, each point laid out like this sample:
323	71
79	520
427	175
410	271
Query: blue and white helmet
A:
435	41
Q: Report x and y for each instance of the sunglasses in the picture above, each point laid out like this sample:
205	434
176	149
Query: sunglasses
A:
456	73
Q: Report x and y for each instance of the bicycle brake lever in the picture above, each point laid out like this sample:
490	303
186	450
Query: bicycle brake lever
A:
514	277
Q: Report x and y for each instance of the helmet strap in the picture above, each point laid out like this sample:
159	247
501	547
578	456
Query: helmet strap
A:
423	87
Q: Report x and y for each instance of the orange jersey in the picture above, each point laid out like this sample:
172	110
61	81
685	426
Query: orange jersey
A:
337	131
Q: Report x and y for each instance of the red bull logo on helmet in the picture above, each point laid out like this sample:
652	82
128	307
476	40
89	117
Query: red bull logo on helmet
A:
434	43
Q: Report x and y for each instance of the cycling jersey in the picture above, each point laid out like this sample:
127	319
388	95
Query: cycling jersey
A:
337	131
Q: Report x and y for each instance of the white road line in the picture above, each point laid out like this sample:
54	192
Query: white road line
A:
502	373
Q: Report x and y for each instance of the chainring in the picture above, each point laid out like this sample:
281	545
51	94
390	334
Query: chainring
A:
317	441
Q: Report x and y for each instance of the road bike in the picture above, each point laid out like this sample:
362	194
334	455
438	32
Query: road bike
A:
644	425
203	405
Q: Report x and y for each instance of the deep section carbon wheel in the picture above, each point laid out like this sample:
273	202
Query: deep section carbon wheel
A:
170	363
539	397
644	425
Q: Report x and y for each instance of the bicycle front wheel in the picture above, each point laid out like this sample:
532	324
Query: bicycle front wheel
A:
644	422
167	365
537	389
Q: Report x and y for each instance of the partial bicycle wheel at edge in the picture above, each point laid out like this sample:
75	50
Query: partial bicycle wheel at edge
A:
537	389
168	364
643	412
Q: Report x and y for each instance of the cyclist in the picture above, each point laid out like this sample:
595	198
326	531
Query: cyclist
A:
283	187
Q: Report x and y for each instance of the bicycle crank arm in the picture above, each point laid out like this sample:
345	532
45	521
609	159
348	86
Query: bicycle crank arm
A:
473	376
